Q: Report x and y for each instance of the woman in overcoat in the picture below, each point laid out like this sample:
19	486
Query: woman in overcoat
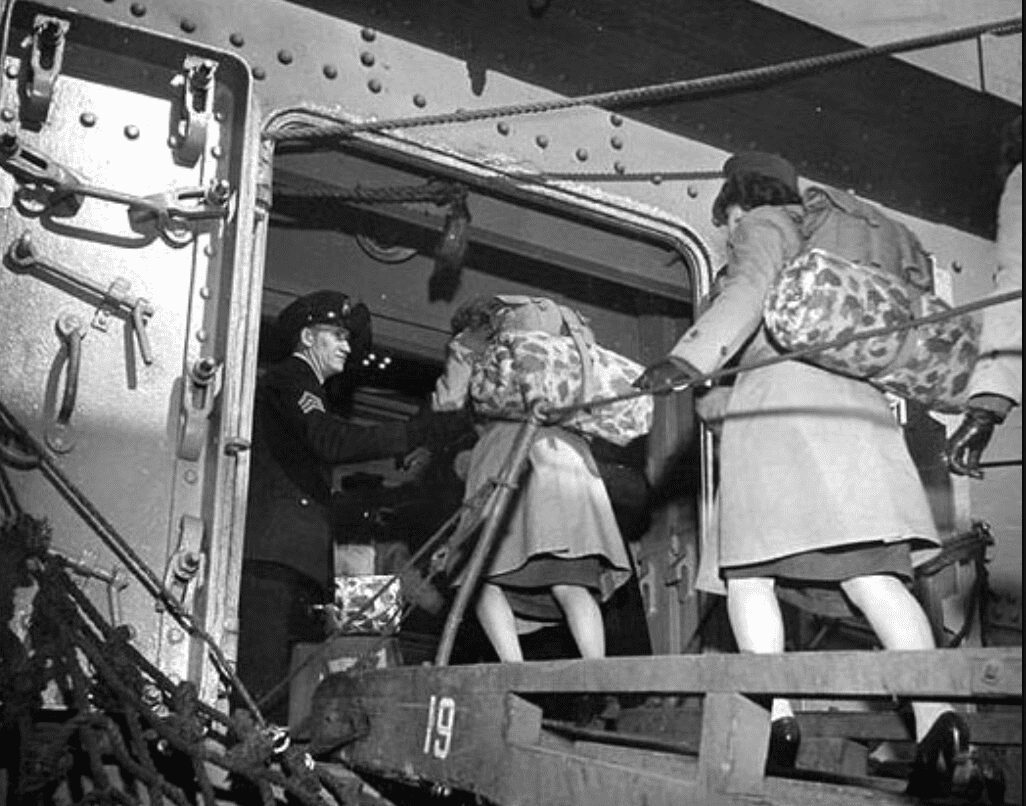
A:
816	484
560	553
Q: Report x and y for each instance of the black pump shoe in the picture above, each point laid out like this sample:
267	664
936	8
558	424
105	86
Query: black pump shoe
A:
942	750
783	745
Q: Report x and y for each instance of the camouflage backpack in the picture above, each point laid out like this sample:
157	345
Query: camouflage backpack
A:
544	351
860	270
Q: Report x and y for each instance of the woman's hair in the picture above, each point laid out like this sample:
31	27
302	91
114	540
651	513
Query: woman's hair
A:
748	191
477	314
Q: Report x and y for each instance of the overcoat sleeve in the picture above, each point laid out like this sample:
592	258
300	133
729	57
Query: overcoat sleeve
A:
299	401
763	240
999	367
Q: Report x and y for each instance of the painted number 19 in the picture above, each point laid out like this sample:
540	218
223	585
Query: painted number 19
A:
441	717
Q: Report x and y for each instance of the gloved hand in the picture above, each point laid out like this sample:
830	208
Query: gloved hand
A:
666	371
967	444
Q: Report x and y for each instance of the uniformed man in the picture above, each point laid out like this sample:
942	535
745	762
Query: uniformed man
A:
288	555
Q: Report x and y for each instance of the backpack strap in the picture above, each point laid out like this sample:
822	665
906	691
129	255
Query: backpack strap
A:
583	339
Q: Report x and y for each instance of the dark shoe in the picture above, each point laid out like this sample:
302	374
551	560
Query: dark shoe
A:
783	746
943	749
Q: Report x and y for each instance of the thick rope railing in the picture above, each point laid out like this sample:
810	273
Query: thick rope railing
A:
290	125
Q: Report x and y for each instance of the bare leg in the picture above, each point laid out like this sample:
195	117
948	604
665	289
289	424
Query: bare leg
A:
899	622
496	617
758	625
584	619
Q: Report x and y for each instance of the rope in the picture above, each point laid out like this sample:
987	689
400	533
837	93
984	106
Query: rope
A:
555	413
438	191
293	128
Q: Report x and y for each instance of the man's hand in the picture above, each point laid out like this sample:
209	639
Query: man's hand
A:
669	370
966	445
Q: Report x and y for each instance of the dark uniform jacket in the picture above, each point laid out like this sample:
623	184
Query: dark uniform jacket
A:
294	440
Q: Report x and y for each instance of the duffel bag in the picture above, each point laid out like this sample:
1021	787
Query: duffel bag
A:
521	367
820	297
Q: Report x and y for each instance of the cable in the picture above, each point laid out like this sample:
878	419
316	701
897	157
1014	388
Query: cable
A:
292	127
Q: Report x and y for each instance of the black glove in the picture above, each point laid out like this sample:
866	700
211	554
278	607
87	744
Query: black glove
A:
669	370
967	444
438	430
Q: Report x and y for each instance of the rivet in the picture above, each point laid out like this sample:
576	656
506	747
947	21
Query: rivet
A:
992	672
542	141
237	40
201	335
616	120
619	167
259	73
174	635
581	154
131	132
204	292
616	141
220	115
419	101
692	192
285	56
11	71
190	476
137	9
374	85
502	127
368	34
172	141
216	152
6	115
87	119
209	250
188	25
367	59
657	179
330	71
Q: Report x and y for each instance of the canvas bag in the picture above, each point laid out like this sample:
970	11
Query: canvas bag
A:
860	270
544	351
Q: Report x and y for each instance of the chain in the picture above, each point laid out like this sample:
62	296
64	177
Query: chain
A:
290	125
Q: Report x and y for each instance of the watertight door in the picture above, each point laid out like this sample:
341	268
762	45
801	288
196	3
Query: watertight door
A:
125	221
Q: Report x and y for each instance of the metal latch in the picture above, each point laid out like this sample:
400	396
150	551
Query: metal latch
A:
48	37
186	562
114	579
198	394
115	298
60	437
197	105
48	186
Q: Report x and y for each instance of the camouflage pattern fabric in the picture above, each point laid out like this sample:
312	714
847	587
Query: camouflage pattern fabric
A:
820	297
521	367
352	594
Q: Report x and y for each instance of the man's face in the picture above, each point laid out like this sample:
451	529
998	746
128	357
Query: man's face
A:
328	348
